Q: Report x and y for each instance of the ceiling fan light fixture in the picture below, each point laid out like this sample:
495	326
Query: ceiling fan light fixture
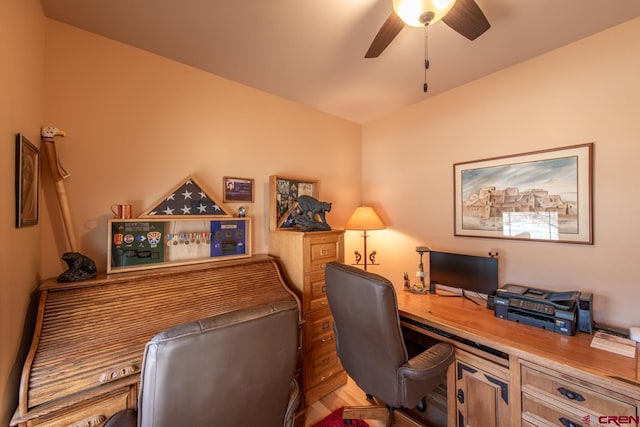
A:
418	13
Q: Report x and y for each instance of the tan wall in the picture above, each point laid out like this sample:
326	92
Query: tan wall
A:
585	92
21	111
138	124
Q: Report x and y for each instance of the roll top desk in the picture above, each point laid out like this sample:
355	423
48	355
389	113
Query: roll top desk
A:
86	354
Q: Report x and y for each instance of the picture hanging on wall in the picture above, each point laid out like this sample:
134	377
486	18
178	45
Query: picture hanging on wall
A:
237	189
539	196
27	182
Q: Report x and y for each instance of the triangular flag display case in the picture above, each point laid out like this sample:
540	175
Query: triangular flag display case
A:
188	198
187	226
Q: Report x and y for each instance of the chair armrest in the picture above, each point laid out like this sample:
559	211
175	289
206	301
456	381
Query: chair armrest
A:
432	359
424	372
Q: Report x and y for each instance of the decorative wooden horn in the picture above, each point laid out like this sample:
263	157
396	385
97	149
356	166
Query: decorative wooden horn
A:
59	174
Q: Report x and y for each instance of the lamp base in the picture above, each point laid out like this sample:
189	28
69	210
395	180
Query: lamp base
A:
371	259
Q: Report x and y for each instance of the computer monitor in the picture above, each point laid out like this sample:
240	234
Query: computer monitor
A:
467	272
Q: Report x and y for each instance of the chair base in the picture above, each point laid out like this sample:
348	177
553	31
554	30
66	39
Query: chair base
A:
370	412
403	419
396	417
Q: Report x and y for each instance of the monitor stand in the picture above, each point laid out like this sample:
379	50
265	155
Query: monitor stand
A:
460	295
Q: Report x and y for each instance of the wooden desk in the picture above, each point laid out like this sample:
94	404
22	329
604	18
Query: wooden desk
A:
549	378
86	355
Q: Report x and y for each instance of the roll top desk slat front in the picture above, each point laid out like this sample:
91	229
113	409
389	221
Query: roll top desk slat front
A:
85	358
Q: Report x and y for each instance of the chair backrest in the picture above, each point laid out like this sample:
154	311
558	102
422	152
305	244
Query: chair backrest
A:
228	370
369	339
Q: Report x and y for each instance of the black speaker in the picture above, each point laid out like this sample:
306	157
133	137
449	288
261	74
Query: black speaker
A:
585	312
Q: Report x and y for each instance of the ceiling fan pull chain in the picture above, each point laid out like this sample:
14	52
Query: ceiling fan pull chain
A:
426	56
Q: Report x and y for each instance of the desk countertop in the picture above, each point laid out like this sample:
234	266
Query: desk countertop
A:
477	323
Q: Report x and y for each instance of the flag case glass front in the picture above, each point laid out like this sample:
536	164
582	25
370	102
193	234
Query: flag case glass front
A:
143	243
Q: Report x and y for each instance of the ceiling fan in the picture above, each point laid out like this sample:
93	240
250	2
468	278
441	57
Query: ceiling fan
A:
463	16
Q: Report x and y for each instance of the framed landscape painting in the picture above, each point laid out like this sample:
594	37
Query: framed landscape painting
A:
538	196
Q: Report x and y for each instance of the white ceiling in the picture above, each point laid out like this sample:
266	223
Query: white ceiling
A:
312	51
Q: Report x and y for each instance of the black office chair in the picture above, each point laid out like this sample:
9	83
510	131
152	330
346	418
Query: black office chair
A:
371	347
229	370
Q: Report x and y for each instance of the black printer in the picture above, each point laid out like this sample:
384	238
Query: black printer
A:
553	311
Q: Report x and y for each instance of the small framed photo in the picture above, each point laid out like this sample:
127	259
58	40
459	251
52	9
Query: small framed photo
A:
27	182
237	189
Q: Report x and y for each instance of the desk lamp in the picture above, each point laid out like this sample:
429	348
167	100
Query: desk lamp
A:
365	218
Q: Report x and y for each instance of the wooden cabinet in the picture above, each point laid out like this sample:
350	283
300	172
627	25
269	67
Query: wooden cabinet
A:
481	392
554	398
303	256
533	376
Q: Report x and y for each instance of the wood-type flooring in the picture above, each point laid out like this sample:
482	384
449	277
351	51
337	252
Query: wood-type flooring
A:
351	395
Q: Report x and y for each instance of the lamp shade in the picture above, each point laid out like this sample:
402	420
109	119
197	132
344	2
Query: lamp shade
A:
365	218
411	11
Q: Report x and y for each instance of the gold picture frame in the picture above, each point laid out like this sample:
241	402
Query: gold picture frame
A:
237	190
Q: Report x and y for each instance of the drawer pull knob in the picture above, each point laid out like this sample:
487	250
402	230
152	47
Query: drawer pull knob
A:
117	373
324	252
571	395
325	325
460	395
323	378
324	340
324	289
324	302
568	423
93	421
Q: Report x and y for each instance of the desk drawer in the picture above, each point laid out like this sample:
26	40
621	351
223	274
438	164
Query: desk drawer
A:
320	366
580	396
319	331
321	250
315	291
90	414
540	413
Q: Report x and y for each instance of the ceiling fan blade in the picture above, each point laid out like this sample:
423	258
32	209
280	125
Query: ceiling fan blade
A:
467	19
386	34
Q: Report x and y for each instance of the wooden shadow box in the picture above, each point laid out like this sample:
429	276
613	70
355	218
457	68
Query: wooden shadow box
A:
147	243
